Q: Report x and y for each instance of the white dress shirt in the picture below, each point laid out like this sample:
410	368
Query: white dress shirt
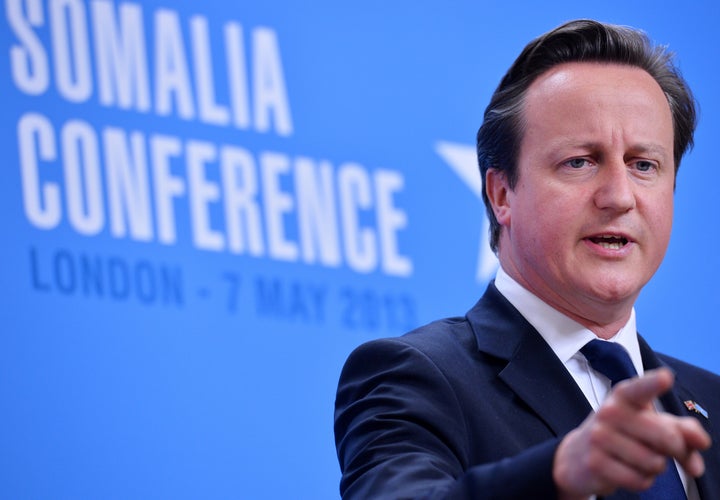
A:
566	337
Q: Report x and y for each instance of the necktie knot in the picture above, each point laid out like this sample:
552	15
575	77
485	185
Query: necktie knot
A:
609	358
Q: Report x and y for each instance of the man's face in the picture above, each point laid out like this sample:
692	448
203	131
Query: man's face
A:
588	222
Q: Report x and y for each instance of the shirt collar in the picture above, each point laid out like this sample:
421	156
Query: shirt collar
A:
564	335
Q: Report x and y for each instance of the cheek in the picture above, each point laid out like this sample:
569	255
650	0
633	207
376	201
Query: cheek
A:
662	212
542	214
540	232
660	225
661	229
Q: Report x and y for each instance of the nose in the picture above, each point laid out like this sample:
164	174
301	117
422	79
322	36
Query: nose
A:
615	188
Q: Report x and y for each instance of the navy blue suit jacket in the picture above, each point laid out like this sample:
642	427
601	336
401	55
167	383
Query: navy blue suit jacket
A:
475	407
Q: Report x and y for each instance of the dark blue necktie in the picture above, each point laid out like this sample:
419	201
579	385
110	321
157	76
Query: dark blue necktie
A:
613	361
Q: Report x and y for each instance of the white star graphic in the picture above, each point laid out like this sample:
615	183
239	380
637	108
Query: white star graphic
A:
463	160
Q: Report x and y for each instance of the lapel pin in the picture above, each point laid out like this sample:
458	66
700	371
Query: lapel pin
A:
693	406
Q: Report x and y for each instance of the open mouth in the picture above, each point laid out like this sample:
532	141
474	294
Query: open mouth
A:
609	241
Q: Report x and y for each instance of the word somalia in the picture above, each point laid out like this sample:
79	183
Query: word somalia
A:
159	187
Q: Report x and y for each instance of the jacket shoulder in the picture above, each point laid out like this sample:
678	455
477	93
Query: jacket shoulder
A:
690	371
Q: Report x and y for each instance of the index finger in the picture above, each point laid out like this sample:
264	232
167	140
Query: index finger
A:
639	392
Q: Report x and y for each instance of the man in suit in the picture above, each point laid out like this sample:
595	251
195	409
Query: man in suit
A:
579	149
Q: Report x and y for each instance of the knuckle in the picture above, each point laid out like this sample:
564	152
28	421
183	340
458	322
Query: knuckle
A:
596	464
598	436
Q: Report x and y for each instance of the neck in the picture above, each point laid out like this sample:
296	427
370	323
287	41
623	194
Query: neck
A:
603	318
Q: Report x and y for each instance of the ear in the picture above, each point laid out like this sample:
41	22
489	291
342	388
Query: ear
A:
497	190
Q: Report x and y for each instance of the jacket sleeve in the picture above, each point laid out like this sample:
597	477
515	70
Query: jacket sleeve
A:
402	432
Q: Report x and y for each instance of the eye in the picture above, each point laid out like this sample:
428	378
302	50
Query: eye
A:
644	165
577	163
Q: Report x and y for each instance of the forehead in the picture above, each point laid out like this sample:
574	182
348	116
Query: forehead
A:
597	102
596	83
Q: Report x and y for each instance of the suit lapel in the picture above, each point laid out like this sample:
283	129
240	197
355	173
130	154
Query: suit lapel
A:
533	371
541	380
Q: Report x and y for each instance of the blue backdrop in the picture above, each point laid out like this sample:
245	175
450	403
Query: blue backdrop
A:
207	205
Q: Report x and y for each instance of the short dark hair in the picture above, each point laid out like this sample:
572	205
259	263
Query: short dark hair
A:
499	136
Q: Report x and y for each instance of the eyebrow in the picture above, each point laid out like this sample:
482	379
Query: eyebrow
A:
652	148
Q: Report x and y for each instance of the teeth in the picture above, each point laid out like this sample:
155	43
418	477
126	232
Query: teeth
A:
610	241
613	246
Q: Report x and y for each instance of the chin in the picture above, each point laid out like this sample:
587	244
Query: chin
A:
616	292
615	284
